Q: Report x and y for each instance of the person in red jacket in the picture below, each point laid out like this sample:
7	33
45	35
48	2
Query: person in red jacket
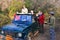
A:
41	21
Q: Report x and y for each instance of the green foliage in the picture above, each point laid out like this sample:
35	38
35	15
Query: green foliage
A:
57	14
34	5
37	5
29	4
42	9
4	20
49	7
14	7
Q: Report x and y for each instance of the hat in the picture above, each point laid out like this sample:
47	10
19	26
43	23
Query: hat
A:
51	12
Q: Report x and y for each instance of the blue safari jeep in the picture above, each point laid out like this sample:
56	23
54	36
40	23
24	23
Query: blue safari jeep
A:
20	27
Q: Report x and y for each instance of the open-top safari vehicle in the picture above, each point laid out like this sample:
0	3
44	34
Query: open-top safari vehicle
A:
21	26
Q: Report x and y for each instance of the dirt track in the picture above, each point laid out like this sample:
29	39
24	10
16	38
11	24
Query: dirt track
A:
45	36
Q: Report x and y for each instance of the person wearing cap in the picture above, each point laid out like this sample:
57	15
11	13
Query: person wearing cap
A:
52	20
52	26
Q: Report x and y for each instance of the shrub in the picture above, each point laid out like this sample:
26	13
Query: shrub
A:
14	7
4	20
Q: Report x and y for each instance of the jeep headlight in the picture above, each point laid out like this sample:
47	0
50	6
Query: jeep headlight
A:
2	32
19	34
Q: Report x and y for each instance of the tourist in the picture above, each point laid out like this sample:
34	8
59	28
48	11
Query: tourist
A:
24	10
41	21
